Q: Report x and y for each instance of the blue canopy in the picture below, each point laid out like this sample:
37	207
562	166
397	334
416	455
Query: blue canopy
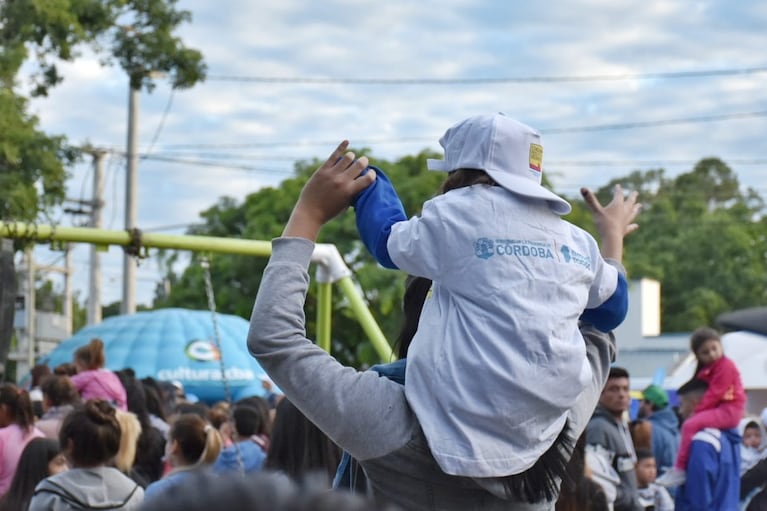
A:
175	344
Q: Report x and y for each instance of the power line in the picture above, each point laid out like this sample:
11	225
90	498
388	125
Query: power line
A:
160	125
206	163
504	80
545	131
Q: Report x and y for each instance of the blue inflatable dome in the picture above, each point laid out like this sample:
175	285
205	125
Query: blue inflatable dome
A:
175	344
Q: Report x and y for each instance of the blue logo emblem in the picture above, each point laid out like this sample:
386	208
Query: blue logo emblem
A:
566	253
483	248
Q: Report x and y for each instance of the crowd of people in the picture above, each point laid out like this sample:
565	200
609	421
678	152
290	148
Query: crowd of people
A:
505	302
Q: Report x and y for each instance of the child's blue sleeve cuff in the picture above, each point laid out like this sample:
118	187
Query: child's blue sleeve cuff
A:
613	311
378	207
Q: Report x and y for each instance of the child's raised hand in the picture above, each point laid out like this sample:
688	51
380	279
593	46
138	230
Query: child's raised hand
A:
328	192
615	220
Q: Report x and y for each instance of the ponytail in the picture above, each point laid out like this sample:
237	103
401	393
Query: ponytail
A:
18	404
199	442
213	444
91	355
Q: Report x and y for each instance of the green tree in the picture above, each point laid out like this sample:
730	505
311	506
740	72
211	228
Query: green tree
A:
704	237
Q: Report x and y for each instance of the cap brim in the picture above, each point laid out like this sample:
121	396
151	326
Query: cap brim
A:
528	188
438	165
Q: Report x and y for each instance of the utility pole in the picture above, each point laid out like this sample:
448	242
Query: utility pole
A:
31	309
67	309
97	205
128	305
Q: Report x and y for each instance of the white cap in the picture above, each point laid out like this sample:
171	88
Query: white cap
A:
509	151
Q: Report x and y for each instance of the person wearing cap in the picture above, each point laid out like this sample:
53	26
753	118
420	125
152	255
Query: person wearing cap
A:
511	278
665	426
370	416
713	470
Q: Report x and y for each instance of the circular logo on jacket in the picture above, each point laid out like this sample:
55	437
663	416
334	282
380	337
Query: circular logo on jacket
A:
483	248
202	351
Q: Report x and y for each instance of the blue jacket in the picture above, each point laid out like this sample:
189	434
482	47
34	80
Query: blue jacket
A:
713	472
665	438
249	452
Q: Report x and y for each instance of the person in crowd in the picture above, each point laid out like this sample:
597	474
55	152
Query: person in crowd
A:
608	429
92	381
265	420
753	487
90	437
148	465
652	497
59	398
192	445
367	415
125	459
751	446
713	470
721	408
579	491
665	426
219	418
17	429
494	171
41	458
39	373
154	405
262	491
246	454
299	448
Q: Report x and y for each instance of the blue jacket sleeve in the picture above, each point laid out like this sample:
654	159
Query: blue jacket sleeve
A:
378	207
702	467
613	311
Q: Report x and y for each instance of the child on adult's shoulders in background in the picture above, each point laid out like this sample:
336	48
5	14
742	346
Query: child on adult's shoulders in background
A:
751	449
93	381
722	405
652	496
511	279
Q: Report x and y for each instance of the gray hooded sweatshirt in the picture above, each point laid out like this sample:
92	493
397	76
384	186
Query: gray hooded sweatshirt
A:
79	489
368	415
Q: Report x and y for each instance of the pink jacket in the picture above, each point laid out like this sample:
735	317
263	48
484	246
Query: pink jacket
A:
12	442
101	384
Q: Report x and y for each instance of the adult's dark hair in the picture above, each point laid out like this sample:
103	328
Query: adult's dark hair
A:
39	372
264	426
247	420
262	491
298	447
154	399
32	468
617	372
151	443
17	405
579	492
91	433
198	441
695	385
91	355
65	369
416	290
701	335
59	390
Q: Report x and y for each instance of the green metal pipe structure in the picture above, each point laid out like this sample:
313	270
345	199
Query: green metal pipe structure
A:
210	244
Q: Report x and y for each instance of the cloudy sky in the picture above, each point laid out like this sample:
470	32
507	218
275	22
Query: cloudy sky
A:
612	85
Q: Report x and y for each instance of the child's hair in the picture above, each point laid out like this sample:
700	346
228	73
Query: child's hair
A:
91	433
91	355
59	390
643	454
32	468
65	369
702	335
199	442
18	405
465	177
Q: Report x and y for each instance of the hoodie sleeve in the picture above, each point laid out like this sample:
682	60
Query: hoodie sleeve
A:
703	467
